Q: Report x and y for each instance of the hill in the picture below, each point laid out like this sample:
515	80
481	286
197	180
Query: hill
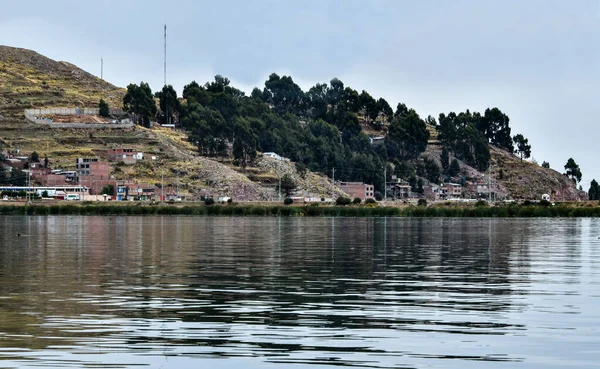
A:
328	135
30	80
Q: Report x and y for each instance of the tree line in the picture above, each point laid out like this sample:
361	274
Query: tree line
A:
320	129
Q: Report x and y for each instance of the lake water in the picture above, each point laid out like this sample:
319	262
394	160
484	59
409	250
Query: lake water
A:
183	292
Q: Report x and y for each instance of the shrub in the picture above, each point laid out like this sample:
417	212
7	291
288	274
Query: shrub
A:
356	200
288	201
370	201
422	202
209	201
480	203
343	201
229	200
544	203
378	196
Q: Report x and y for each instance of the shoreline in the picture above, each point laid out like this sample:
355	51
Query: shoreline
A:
509	211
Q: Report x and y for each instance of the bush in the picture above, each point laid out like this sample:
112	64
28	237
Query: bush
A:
288	201
370	201
480	203
378	196
209	201
422	202
229	200
343	201
357	200
544	203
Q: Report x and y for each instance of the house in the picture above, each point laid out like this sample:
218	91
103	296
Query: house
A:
398	188
431	192
272	155
376	140
275	156
127	155
129	191
93	174
357	189
450	191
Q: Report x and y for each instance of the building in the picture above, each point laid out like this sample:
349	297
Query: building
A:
357	189
93	174
275	156
450	191
127	155
398	188
431	192
129	191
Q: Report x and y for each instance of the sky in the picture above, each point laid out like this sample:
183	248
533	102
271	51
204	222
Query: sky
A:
536	60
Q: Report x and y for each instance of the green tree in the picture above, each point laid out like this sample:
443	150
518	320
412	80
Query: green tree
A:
523	148
288	185
103	108
445	159
108	190
35	157
454	169
139	101
46	162
594	191
546	165
410	133
17	177
169	104
573	171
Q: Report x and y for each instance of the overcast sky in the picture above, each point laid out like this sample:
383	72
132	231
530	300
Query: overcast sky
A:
536	60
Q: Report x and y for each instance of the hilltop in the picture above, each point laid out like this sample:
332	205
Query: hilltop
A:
325	137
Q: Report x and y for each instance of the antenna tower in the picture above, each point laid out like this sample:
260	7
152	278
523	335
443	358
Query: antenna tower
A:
165	54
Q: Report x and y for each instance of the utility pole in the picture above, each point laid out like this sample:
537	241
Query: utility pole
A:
332	183
279	189
165	77
101	68
385	183
162	185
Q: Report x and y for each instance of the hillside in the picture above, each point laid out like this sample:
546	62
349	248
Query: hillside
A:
28	79
31	80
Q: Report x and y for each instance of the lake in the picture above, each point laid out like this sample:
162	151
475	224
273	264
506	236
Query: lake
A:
187	292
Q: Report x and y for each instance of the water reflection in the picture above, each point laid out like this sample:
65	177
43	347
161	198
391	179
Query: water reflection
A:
174	291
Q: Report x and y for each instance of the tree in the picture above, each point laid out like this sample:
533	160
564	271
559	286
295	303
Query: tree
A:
103	108
35	157
445	159
46	162
139	101
546	165
288	185
454	169
410	133
523	148
108	190
594	191
573	171
494	124
169	104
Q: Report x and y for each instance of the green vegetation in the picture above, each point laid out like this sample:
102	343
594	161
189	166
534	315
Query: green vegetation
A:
288	186
509	211
288	201
139	101
573	171
594	191
104	110
522	146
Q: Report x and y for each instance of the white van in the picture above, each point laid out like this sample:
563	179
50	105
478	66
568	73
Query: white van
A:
73	197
